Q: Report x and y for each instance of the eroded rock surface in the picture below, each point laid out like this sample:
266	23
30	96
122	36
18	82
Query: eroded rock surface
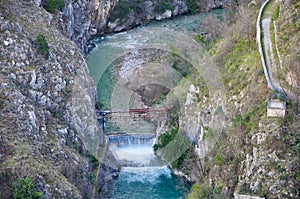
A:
46	132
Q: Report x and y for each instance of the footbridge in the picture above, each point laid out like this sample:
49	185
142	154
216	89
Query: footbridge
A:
135	114
131	114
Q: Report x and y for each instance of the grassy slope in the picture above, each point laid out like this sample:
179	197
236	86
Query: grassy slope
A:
288	41
225	168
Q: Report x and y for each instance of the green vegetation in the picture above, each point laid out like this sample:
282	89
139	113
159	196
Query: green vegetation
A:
165	138
42	45
205	191
193	6
298	175
94	161
199	38
24	189
181	65
198	192
298	57
30	67
173	144
121	10
237	54
179	161
99	105
52	5
208	133
162	6
248	121
125	7
298	147
275	15
219	159
183	68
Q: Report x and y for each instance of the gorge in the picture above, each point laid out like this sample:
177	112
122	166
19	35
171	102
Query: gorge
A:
124	63
50	139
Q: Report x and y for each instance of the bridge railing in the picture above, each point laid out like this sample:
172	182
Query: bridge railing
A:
142	113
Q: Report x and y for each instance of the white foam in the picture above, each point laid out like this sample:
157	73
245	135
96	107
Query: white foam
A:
145	174
137	155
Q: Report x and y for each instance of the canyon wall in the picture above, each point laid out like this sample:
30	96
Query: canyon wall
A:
82	20
48	126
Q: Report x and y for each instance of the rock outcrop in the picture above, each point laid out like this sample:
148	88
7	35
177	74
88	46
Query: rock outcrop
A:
81	20
129	14
48	125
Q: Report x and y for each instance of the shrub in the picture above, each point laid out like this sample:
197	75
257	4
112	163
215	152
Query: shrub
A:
298	175
165	139
298	146
174	144
52	5
42	45
162	6
178	162
199	38
122	9
193	6
199	191
94	161
24	189
219	159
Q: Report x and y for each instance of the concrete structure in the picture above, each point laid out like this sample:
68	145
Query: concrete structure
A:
241	196
276	108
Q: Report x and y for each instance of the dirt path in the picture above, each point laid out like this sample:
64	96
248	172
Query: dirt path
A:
272	65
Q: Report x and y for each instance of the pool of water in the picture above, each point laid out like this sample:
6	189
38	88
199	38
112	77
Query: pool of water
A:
143	175
155	182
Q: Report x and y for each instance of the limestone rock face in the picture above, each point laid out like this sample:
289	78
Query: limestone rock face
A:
137	13
81	20
48	125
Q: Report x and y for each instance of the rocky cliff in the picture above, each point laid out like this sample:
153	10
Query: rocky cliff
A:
256	156
81	20
128	14
48	127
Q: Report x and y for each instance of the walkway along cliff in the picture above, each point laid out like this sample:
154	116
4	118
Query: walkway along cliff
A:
277	101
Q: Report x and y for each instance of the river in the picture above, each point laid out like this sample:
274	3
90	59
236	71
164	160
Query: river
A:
142	175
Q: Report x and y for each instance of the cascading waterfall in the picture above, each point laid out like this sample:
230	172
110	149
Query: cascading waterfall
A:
132	140
142	175
135	150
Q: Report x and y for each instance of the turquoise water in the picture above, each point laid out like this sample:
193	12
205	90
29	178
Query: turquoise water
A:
103	58
142	175
149	182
